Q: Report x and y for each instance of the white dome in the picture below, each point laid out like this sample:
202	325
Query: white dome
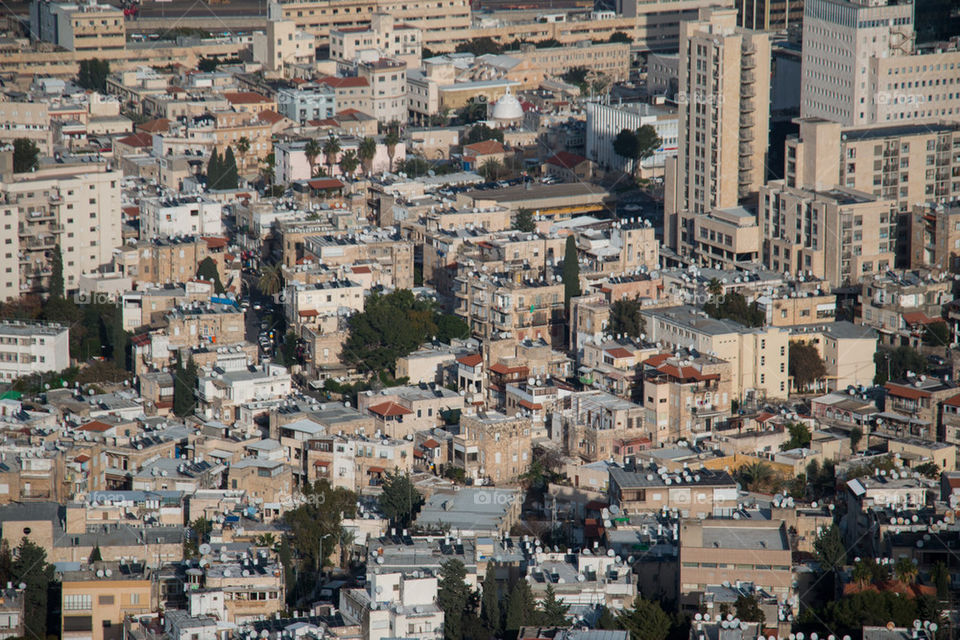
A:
508	108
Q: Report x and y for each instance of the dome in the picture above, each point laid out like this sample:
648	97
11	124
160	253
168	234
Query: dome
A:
508	108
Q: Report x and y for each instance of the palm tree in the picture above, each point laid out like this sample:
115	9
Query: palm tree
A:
243	145
349	162
715	288
330	149
863	573
271	280
366	152
312	150
756	476
905	571
392	140
266	540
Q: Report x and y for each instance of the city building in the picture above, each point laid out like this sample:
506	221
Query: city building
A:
606	121
84	27
308	102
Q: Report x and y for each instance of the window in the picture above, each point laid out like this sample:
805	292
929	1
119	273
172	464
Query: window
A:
77	602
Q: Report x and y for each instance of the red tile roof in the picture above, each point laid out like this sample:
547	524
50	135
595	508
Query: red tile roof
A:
657	360
503	369
81	458
953	401
96	426
323	184
484	148
139	140
389	409
919	317
343	83
531	405
131	212
245	97
620	352
566	160
471	360
157	125
215	242
309	313
376	470
431	444
905	391
270	116
361	269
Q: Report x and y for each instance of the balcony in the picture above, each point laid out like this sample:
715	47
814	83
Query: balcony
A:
746	163
747	91
48	242
747	106
747	77
745	120
746	135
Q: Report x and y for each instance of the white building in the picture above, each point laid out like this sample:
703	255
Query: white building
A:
385	38
222	392
180	216
395	604
307	102
605	121
322	299
27	348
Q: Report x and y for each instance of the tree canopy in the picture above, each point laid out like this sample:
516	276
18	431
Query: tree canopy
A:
733	306
646	621
399	499
625	317
481	132
394	325
207	270
893	364
524	221
806	365
570	273
26	155
93	74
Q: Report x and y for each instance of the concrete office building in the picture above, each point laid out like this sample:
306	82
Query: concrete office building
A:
27	348
605	121
81	27
724	110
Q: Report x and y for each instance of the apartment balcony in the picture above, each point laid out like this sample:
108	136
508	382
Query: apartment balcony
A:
745	120
747	91
746	163
747	106
746	148
747	77
42	243
746	135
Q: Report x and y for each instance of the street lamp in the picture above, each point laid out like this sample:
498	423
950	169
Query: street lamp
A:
320	557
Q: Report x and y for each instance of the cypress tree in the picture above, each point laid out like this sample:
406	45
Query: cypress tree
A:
571	272
491	602
231	178
214	170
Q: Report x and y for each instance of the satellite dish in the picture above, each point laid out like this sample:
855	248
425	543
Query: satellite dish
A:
204	549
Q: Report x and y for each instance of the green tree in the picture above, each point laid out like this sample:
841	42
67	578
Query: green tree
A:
312	151
230	178
577	76
207	270
481	132
197	534
521	607
490	611
928	469
936	334
607	620
939	576
95	555
56	277
243	145
856	435
214	170
905	570
830	550
392	140
93	74
399	499
367	151
288	354
646	621
479	46
570	272
748	609
314	528
806	365
331	149
450	327
32	569
453	596
553	613
184	386
756	476
800	437
26	155
733	306
270	281
349	162
893	364
625	317
492	170
620	36
473	111
524	221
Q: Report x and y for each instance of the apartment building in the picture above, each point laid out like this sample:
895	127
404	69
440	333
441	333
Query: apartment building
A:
900	305
492	446
847	351
357	462
770	15
861	65
204	323
531	66
726	238
694	493
684	397
910	164
395	600
606	121
76	209
723	128
790	306
349	92
30	120
27	348
839	235
393	256
717	552
399	412
757	356
596	424
500	303
304	302
180	216
95	599
283	47
174	258
307	102
84	27
384	38
387	78
221	394
935	237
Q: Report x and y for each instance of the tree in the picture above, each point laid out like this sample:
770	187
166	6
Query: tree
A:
524	221
733	306
866	571
799	437
184	386
331	148
270	281
856	435
243	145
56	277
521	607
553	613
25	155
479	46
570	272
399	500
392	139
620	36
93	74
95	555
607	620
830	550
366	151
646	621
893	364
756	476
648	141
492	170
905	570
490	610
453	595
230	179
214	170
748	609
312	151
349	162
314	528
197	533
936	334
806	365
288	354
577	76
928	470
625	317
481	132
207	270
31	568
473	111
